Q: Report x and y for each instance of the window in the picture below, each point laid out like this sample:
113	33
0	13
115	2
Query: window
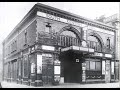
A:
9	49
65	40
19	66
112	68
94	43
93	65
98	66
15	45
25	37
69	38
47	28
87	65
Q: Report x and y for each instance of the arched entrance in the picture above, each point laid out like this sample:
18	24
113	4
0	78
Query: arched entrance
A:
71	61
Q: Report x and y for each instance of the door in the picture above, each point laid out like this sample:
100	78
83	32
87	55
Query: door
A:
14	70
47	69
72	65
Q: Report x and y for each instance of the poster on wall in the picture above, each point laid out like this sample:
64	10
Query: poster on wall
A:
112	68
32	67
103	67
39	64
56	69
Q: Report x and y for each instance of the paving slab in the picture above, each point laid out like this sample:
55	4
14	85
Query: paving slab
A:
65	85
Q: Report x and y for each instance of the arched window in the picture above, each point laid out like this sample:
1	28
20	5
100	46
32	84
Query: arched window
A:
93	42
69	38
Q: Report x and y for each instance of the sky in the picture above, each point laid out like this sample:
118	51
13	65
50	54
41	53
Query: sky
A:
11	13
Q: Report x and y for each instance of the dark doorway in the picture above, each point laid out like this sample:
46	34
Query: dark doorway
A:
71	66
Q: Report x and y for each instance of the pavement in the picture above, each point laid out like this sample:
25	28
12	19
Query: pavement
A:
65	85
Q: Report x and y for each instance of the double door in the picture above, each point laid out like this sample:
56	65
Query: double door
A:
47	69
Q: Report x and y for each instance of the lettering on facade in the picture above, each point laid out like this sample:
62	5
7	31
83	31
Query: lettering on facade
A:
97	54
58	18
52	17
108	55
51	48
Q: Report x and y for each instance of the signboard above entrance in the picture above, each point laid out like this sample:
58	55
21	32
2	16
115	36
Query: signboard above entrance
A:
97	54
51	48
108	55
77	48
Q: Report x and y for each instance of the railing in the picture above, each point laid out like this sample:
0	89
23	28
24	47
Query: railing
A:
66	41
95	45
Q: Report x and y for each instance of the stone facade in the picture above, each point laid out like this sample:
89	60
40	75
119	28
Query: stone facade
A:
37	51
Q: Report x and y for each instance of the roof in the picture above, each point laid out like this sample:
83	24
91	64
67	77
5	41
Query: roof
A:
62	12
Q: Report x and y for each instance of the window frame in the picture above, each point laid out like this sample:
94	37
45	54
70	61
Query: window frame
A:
89	69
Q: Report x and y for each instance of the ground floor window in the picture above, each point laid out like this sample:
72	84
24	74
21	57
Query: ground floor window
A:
93	69
94	65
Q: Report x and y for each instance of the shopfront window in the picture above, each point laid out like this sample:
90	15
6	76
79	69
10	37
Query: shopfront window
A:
93	65
98	66
87	65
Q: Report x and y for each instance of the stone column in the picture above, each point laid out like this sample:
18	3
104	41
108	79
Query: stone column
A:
107	71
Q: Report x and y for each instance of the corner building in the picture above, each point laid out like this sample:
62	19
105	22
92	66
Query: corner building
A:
51	46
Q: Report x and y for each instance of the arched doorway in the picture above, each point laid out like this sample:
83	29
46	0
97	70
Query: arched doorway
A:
71	61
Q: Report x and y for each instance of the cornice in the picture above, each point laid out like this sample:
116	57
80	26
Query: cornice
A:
74	17
62	14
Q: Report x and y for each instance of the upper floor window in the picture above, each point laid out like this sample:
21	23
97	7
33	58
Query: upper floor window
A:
15	45
94	43
68	38
25	37
47	28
